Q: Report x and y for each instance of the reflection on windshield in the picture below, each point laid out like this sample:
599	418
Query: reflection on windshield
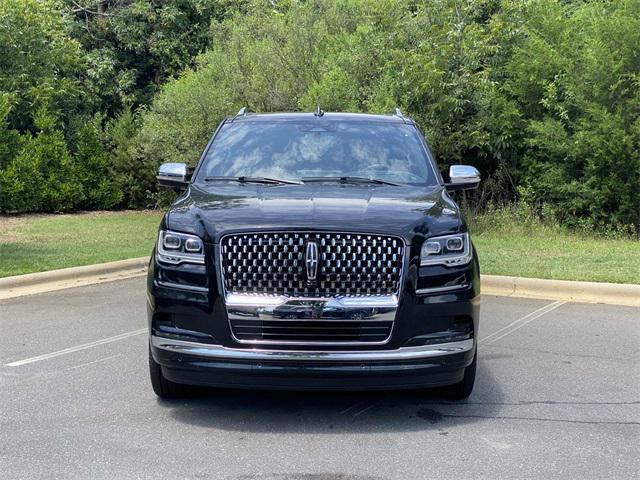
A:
319	148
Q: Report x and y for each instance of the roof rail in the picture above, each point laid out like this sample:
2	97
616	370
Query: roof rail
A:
398	113
241	113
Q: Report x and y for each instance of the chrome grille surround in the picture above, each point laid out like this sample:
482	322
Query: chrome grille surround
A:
305	320
351	264
269	301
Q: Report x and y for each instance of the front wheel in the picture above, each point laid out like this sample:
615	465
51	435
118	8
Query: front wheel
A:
462	389
162	387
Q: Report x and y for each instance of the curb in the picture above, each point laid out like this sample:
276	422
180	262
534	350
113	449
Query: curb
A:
19	285
586	292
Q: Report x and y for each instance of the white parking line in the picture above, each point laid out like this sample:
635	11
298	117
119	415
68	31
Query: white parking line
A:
521	322
360	403
494	337
367	408
54	373
77	348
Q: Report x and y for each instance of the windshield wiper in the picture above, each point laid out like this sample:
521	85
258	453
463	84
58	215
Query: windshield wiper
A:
349	179
244	179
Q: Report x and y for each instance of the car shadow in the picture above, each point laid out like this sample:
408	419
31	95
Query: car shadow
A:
262	411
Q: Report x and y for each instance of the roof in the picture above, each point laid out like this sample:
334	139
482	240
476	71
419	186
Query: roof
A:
337	116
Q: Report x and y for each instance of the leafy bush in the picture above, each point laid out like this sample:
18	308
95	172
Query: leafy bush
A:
51	156
542	96
9	138
133	173
42	177
134	46
94	171
40	64
575	78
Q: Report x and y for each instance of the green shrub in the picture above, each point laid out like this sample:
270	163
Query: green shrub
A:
575	78
9	138
42	176
132	173
93	170
542	96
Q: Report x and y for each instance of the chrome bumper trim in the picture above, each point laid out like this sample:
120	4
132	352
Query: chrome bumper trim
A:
367	310
263	301
452	288
179	286
224	353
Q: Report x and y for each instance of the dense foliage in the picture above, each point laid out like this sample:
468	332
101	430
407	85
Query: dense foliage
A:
542	95
71	73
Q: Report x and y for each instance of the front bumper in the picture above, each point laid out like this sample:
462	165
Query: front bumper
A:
408	367
435	324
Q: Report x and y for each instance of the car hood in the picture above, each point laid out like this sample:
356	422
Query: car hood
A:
214	210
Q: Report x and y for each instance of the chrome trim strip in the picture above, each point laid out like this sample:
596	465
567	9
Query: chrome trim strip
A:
368	311
317	343
262	301
179	286
220	352
249	300
451	288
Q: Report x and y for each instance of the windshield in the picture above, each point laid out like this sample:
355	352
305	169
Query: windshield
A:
295	150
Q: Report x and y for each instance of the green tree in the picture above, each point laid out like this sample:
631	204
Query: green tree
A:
134	46
40	64
575	77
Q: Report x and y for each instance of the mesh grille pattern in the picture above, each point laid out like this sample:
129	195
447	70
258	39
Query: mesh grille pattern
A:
350	264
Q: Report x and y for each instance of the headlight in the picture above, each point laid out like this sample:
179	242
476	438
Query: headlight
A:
175	248
450	250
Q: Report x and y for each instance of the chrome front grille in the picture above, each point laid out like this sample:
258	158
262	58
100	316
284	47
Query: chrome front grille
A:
275	263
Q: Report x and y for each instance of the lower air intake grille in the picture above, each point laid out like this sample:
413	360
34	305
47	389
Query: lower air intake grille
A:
304	331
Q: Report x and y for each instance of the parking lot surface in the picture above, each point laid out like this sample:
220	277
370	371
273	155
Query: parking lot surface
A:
557	396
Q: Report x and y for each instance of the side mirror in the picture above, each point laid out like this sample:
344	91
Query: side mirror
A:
174	175
463	177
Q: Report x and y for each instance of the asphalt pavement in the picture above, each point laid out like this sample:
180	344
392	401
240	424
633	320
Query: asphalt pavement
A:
557	396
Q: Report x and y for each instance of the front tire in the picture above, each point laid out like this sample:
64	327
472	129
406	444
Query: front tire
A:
162	387
462	389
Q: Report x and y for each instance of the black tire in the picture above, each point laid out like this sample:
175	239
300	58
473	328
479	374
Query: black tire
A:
462	389
162	387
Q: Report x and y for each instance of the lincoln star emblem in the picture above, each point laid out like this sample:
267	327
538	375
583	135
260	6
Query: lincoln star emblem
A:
311	261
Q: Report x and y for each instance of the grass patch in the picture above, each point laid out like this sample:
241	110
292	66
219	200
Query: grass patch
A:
507	243
510	243
37	243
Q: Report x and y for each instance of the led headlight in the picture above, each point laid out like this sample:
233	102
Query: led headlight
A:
450	250
175	248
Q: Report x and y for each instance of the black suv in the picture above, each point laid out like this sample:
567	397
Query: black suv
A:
314	251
